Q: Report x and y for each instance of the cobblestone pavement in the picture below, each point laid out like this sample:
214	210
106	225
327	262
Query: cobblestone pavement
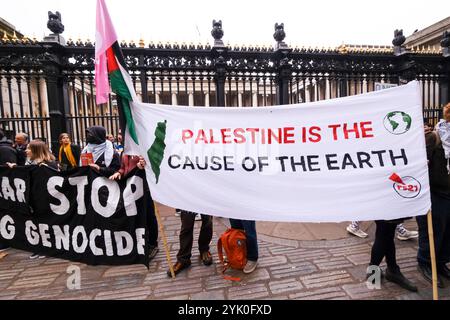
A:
288	269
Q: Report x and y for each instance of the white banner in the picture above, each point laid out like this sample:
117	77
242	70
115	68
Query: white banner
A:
354	158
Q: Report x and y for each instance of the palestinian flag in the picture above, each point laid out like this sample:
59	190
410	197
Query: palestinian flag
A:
109	63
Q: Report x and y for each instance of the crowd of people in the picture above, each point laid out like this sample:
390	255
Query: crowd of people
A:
110	162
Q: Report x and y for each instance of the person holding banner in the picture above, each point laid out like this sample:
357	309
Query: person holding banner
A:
384	246
39	154
187	239
128	164
249	226
69	154
438	155
106	160
7	155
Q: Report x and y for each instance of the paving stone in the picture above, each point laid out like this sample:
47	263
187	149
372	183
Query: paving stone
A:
319	294
248	292
332	278
271	261
135	293
332	263
292	270
286	285
125	270
259	274
209	295
359	259
31	282
216	282
187	286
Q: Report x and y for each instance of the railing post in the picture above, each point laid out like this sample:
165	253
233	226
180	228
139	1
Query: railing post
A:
57	97
57	93
284	69
143	80
444	87
219	52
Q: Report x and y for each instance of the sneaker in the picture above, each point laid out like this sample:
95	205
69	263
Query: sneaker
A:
206	258
178	267
404	234
356	231
177	212
250	266
398	278
198	217
153	251
36	256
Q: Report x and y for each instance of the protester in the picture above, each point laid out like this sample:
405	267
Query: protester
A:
39	154
249	227
7	151
69	154
21	142
127	165
438	155
384	247
118	145
187	239
401	232
7	155
106	159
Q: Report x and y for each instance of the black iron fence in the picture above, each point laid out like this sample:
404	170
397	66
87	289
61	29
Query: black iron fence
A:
48	88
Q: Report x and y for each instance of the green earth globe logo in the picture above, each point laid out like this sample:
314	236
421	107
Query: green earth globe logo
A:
397	122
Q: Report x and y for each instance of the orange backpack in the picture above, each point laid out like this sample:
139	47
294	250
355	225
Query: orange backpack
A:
233	241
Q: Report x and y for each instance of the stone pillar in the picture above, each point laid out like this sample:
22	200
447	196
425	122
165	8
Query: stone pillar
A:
207	104
191	98
327	89
174	99
307	93
240	99
158	97
255	99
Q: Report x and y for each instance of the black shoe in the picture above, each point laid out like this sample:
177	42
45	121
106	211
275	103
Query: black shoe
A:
398	278
206	258
178	267
444	272
427	274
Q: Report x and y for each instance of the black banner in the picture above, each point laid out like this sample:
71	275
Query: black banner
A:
76	215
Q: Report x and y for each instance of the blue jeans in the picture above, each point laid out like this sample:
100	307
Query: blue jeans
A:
250	232
440	209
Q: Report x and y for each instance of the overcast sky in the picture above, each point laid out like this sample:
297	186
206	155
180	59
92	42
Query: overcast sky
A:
309	23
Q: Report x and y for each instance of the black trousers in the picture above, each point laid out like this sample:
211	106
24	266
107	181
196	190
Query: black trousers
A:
384	245
187	235
440	212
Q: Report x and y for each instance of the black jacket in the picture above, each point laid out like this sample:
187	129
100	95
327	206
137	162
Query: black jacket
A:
437	166
7	152
65	164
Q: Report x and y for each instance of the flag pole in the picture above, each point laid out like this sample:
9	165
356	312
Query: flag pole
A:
163	236
432	255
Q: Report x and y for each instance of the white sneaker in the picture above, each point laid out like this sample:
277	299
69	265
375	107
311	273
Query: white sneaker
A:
36	256
356	231
198	217
250	266
177	213
404	234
